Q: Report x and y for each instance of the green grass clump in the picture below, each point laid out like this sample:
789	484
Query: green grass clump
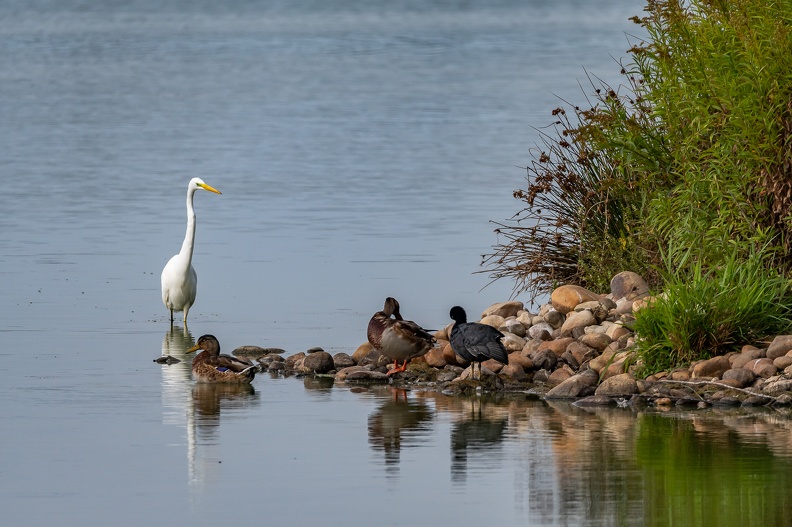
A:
704	312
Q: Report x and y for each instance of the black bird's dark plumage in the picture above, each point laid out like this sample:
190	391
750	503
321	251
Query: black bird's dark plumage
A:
476	342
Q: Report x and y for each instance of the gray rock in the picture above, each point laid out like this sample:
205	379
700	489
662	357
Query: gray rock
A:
747	355
167	359
622	384
291	360
446	376
541	331
544	359
599	311
578	319
267	359
741	376
342	360
780	346
570	359
366	376
515	372
784	399
581	352
515	327
541	376
503	309
595	400
598	341
778	387
628	285
275	366
714	367
255	351
574	386
318	362
554	318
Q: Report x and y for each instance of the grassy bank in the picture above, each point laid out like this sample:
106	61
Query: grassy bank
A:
682	171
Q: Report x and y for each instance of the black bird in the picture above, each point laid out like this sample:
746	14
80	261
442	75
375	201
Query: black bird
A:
476	342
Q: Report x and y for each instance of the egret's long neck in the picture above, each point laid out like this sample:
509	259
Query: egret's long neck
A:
189	237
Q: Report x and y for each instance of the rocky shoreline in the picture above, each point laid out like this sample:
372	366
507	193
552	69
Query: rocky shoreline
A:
579	346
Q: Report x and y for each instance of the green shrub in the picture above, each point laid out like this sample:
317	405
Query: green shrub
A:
706	312
694	150
719	78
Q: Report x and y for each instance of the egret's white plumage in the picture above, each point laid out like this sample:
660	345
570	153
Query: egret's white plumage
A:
179	281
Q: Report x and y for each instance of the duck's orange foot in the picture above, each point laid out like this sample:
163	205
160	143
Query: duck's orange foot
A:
396	368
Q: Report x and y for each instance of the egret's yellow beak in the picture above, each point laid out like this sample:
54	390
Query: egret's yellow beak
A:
210	189
196	347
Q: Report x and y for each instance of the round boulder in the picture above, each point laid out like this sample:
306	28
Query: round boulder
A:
342	360
622	384
740	376
714	367
318	362
578	319
566	297
503	309
628	285
780	346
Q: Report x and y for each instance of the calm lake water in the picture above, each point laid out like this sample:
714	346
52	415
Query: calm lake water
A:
361	148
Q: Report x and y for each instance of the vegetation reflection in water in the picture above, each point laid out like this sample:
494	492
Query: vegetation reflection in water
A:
610	466
593	466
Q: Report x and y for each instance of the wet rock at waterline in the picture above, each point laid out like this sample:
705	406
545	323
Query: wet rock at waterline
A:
578	346
166	359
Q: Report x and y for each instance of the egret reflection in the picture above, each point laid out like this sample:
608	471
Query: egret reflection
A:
197	406
176	377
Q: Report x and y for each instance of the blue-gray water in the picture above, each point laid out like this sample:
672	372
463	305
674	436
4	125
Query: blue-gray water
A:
361	148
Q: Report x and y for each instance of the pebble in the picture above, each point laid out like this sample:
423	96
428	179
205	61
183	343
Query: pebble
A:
578	346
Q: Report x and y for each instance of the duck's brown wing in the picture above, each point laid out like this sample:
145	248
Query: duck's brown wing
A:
232	363
410	328
377	325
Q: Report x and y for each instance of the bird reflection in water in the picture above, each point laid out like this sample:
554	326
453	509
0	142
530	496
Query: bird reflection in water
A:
176	377
210	399
176	342
478	435
399	422
198	406
208	402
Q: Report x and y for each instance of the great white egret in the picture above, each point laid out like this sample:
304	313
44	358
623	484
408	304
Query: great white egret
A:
396	338
476	342
179	281
211	366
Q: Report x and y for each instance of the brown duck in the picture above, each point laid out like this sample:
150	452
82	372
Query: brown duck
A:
212	366
396	338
